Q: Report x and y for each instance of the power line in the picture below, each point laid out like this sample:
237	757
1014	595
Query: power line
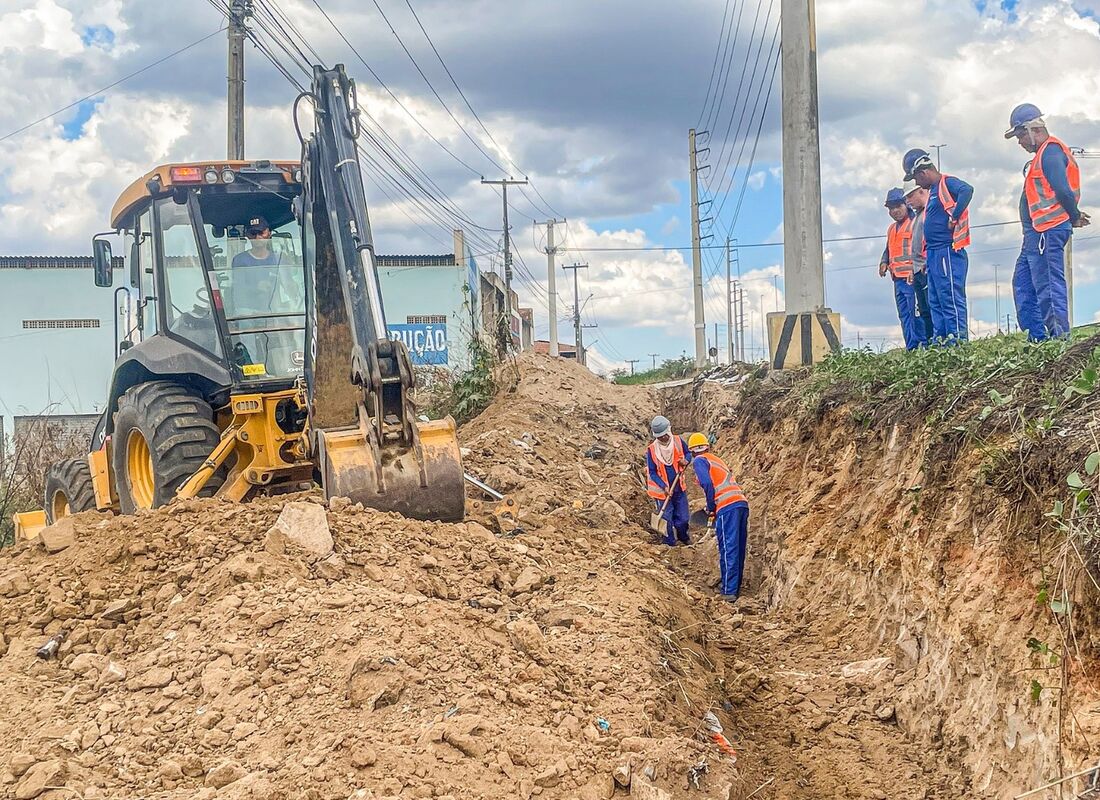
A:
462	94
720	47
110	86
880	236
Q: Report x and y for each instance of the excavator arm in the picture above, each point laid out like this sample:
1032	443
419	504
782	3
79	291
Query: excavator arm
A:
368	444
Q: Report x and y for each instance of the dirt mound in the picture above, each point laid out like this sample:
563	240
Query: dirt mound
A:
209	650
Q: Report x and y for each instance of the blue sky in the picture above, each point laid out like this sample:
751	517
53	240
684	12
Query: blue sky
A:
593	104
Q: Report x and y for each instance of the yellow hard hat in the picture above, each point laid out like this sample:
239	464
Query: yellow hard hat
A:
697	440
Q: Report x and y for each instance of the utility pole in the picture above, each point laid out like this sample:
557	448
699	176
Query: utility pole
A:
937	148
697	258
997	293
551	282
239	12
504	183
1069	280
578	336
741	323
632	362
654	357
803	260
729	305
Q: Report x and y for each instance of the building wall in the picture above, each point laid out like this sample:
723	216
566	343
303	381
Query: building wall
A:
415	295
63	370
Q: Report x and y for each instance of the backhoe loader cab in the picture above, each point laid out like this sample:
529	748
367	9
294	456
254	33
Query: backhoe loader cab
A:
253	353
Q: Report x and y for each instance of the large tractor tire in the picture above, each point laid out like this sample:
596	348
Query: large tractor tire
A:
163	434
68	489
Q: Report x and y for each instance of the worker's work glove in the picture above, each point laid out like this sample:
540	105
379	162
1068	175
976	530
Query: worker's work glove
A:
710	519
1082	220
909	280
882	270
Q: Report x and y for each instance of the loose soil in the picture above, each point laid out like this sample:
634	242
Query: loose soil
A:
570	658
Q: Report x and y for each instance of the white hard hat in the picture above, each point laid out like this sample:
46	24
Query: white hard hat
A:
909	187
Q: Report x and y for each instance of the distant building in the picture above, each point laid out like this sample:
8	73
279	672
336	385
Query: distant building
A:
57	330
56	336
57	426
433	304
564	350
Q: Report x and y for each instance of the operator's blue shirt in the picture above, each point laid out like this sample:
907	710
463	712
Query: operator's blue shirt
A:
937	228
1055	166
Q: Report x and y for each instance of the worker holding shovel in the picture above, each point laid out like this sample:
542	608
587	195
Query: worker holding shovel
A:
727	507
666	459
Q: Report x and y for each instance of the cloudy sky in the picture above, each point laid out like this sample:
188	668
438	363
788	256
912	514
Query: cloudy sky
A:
592	102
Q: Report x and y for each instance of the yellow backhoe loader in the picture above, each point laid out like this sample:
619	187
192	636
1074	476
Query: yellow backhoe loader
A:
256	356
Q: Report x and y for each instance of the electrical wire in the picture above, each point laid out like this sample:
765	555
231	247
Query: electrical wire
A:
112	85
548	208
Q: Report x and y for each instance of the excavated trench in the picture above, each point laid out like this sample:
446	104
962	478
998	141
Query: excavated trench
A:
891	596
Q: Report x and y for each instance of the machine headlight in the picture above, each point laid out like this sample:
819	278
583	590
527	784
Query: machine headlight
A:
210	176
228	176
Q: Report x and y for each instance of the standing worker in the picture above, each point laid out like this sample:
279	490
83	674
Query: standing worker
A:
917	198
728	508
666	458
946	236
897	258
1052	190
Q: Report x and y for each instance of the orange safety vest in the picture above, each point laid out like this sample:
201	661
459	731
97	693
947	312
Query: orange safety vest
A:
667	471
1046	211
961	238
899	246
726	490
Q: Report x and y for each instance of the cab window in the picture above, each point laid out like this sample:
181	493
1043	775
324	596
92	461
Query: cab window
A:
187	297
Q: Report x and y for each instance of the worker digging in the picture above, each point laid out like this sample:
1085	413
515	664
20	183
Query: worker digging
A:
666	459
728	512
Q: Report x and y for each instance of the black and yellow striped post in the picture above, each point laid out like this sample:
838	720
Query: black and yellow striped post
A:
799	340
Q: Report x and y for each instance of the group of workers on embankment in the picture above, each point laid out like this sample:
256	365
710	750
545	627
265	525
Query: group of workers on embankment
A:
926	244
669	460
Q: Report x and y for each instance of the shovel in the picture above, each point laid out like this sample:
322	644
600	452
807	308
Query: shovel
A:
657	521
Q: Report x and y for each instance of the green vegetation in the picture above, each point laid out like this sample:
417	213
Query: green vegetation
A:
465	395
670	370
936	376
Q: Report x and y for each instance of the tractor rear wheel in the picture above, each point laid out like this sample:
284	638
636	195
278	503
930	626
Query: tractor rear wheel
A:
68	489
163	434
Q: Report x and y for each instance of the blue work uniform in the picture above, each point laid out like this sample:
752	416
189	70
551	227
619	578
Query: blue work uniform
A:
727	503
1048	271
947	267
677	513
1028	316
905	296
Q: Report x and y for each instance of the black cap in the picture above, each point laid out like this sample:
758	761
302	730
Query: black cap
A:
256	225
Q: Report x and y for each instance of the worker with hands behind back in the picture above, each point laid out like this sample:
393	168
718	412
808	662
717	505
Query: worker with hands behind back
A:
1049	213
727	507
946	236
897	259
666	461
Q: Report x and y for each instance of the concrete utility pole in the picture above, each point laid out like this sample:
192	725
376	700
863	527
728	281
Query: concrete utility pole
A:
1069	279
741	324
551	282
504	184
577	327
239	12
997	293
654	357
803	271
806	331
697	258
632	362
729	305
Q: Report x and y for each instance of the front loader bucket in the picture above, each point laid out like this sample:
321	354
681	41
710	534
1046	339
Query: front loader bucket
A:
29	524
393	482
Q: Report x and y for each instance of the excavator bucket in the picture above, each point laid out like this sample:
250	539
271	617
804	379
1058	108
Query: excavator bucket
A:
29	524
393	478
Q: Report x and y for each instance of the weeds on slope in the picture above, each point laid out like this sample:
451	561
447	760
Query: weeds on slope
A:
929	378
